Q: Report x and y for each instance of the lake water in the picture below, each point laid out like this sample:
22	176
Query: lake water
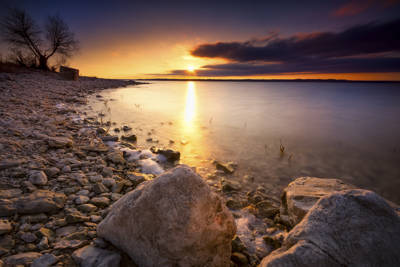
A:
333	130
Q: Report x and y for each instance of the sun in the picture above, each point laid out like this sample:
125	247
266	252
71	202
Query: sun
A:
191	68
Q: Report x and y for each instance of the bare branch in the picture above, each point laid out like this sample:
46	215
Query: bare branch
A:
19	29
60	38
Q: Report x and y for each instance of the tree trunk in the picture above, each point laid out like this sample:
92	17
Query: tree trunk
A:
43	63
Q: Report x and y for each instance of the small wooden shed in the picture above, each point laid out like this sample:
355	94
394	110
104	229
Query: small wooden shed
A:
69	73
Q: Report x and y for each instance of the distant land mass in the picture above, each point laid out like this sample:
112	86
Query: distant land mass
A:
269	80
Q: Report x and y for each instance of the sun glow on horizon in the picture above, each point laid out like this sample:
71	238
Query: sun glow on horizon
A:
191	68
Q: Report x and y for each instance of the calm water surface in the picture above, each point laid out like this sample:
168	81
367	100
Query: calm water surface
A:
342	130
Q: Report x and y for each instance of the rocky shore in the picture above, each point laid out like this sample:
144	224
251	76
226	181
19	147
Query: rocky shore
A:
71	194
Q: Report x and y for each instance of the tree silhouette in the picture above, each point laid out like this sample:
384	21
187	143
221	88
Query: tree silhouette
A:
25	37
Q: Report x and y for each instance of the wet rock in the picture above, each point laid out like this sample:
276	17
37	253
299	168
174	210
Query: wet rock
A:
126	128
81	200
28	237
43	244
91	256
29	186
5	227
45	232
66	169
36	218
109	182
107	172
87	208
37	202
301	194
130	138
95	218
137	178
7	164
40	201
45	260
10	193
237	244
116	157
76	217
109	138
69	244
159	217
100	149
52	171
38	178
273	242
346	228
100	201
21	259
230	186
7	242
101	131
117	187
99	188
67	230
239	258
169	154
226	168
95	178
59	142
266	209
233	204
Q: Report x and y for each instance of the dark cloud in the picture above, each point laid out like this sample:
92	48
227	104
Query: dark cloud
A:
372	47
358	40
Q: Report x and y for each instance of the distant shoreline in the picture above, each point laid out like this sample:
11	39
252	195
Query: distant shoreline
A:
269	80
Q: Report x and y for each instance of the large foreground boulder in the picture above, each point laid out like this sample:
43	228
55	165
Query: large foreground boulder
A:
301	195
174	220
348	228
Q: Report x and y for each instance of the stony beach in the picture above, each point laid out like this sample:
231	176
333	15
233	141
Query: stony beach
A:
61	173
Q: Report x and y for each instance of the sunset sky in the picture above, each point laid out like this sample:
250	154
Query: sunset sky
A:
231	39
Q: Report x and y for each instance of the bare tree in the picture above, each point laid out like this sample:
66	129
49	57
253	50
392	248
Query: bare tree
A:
23	34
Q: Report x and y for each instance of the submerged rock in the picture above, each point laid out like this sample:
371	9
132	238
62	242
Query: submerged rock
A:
130	138
301	194
347	228
226	168
174	220
109	138
169	154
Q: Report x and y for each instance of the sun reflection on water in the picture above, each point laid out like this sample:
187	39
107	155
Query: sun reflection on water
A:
190	106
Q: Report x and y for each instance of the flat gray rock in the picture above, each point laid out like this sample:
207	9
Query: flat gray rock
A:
40	201
21	259
347	228
301	195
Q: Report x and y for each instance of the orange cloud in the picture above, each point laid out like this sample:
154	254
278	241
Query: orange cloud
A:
354	7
